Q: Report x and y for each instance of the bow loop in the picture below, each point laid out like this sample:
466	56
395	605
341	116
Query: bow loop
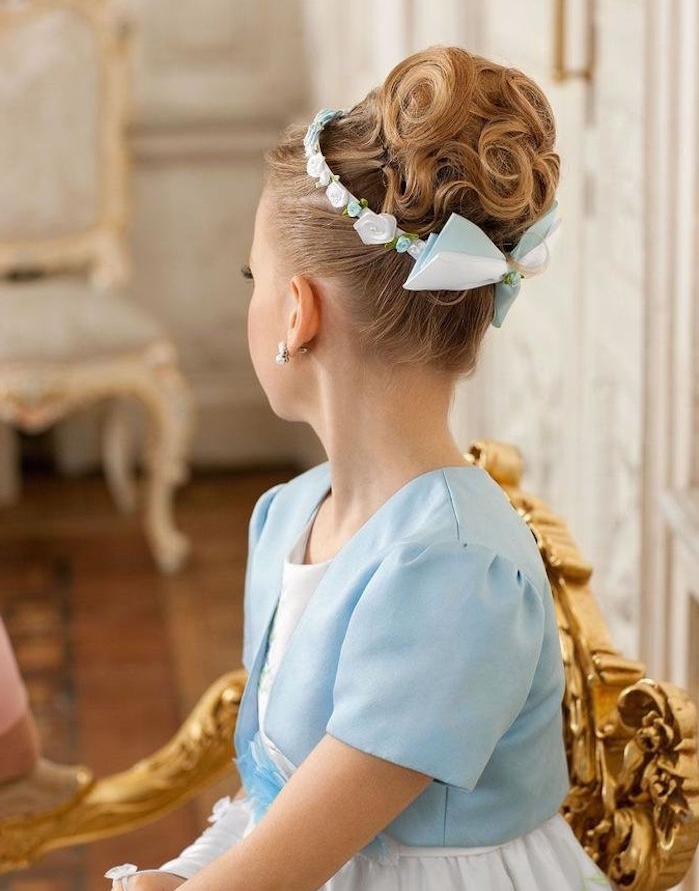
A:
462	257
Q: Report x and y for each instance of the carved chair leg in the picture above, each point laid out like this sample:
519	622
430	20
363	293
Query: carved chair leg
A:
171	412
117	456
10	483
153	377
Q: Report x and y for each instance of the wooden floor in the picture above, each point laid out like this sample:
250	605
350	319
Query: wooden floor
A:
115	654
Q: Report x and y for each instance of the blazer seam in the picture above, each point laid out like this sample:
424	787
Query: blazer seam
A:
451	501
512	563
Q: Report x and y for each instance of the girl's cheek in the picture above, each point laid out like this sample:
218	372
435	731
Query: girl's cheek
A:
260	338
253	332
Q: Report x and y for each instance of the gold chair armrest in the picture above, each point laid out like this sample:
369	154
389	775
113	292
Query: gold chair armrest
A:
200	753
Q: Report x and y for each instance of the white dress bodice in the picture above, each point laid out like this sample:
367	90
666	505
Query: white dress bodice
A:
299	581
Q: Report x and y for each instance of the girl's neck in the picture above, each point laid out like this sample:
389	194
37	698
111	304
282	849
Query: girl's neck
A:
377	440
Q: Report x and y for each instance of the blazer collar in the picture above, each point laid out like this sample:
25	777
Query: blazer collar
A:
294	506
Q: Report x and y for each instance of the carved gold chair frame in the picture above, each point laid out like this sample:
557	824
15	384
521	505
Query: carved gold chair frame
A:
35	394
631	741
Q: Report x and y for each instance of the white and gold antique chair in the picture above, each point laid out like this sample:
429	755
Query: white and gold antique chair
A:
70	335
631	741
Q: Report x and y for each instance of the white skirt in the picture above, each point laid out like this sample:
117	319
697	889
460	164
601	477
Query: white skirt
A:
549	858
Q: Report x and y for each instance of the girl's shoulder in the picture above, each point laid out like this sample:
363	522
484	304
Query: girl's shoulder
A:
484	515
453	506
448	506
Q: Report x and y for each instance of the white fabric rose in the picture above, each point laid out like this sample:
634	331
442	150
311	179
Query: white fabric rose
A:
376	228
324	176
416	248
337	194
315	164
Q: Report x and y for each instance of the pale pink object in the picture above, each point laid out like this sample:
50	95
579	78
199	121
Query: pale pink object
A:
13	694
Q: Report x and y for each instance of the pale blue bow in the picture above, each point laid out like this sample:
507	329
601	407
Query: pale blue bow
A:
260	775
462	256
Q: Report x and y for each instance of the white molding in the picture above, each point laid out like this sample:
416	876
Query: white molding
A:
684	237
654	580
681	510
671	208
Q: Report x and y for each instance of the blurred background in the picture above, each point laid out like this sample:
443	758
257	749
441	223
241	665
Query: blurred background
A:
134	436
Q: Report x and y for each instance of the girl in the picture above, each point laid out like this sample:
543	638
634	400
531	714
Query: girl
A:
401	723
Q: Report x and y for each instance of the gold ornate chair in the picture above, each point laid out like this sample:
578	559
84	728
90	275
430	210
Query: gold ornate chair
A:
70	335
631	741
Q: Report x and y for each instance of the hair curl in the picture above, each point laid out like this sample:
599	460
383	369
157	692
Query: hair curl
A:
448	131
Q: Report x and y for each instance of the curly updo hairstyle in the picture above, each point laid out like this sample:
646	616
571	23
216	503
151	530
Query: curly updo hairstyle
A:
448	131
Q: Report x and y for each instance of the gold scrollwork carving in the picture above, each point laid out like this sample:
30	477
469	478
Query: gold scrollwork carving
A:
198	754
631	741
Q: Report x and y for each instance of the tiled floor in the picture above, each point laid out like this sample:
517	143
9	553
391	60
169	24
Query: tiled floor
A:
92	621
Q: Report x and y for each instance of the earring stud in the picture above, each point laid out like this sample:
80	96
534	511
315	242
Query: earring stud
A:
282	356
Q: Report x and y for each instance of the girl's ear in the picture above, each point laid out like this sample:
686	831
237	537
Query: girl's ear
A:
304	319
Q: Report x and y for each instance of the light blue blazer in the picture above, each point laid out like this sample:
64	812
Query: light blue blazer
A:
430	641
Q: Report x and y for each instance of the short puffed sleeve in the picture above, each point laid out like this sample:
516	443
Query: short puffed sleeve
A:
438	659
255	527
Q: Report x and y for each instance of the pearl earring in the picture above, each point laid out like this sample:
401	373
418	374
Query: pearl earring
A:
282	356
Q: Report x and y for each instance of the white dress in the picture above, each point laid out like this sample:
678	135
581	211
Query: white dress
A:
549	858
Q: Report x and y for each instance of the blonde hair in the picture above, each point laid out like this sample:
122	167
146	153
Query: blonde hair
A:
448	131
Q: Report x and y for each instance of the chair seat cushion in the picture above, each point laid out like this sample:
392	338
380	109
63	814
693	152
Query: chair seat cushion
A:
60	319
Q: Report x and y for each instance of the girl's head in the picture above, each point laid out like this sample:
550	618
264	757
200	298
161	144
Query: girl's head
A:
448	131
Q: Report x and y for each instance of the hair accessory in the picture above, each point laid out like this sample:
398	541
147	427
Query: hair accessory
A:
461	256
372	228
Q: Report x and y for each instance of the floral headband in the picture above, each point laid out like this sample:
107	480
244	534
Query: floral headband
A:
459	257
